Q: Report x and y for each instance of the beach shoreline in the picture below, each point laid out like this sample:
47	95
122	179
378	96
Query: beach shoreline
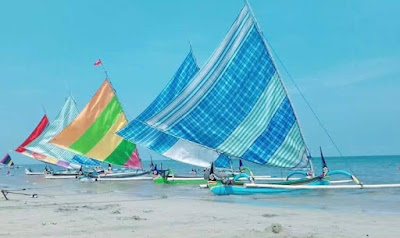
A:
116	214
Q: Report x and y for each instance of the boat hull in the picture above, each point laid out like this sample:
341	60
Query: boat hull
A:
34	173
30	172
221	189
141	178
180	180
61	176
64	174
121	176
241	190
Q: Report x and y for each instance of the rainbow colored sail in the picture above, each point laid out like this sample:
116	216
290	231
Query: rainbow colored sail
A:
92	132
7	160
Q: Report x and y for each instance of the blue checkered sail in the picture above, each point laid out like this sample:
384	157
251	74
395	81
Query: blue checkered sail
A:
175	86
223	162
42	146
236	105
139	132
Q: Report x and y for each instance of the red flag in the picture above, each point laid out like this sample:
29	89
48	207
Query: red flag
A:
97	63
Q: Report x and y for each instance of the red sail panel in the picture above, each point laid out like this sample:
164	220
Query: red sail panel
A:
35	133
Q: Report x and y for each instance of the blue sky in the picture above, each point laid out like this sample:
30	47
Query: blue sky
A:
344	55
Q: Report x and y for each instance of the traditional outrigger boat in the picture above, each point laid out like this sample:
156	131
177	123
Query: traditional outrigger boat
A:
47	170
235	106
185	122
284	150
139	132
37	145
169	177
92	134
65	174
249	186
39	129
121	176
80	136
29	171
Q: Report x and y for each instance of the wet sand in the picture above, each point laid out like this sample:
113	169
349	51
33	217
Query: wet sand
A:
56	213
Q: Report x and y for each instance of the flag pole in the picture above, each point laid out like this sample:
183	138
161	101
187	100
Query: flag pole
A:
67	87
105	71
100	62
44	109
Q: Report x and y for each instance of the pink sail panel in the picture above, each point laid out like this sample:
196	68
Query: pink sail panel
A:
134	160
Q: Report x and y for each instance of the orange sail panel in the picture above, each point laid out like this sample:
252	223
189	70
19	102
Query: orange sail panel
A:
93	132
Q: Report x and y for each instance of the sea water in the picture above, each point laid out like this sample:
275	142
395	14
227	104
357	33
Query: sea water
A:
369	170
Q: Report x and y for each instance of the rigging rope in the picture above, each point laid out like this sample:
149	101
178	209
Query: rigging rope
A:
308	104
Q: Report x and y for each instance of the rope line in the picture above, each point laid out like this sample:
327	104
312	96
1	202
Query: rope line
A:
309	105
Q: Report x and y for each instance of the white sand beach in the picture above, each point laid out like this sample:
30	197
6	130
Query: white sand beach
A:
227	110
60	213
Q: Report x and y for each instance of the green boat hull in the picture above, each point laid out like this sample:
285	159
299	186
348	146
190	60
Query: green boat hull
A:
180	180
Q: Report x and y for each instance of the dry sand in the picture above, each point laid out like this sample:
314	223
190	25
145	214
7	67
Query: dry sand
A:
121	215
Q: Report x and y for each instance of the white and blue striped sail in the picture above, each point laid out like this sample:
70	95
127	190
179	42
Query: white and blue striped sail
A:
42	146
236	105
142	134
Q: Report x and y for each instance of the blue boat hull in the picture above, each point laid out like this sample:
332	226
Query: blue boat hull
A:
241	190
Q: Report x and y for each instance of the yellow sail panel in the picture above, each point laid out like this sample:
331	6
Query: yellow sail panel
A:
109	142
